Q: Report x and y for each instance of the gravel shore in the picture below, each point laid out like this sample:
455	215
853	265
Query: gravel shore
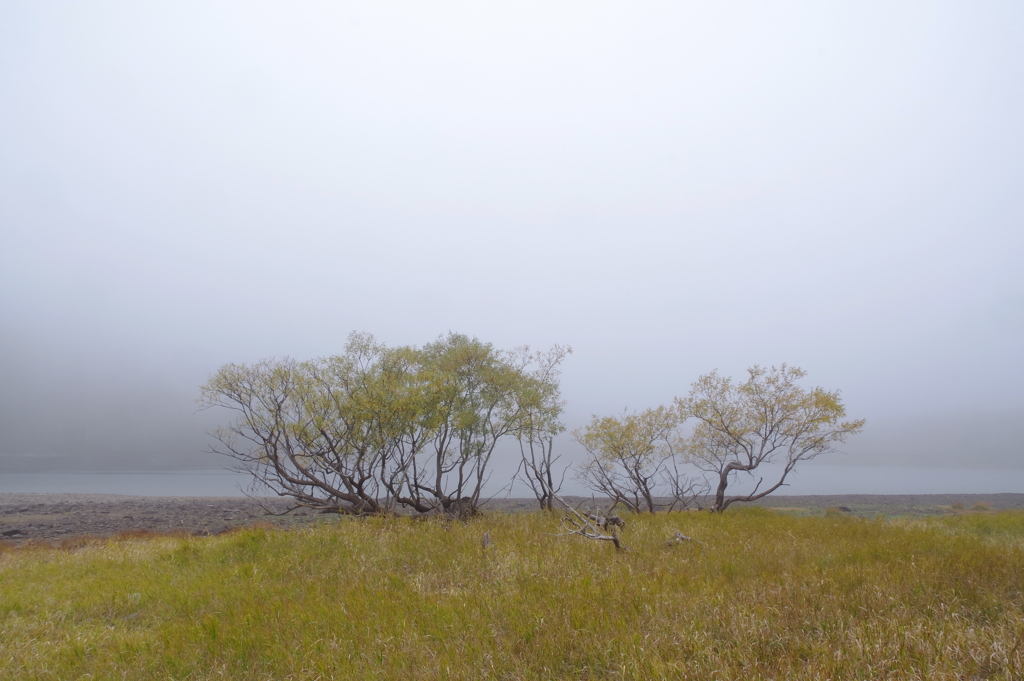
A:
52	518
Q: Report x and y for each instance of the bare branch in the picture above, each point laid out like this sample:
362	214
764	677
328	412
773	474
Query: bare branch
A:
586	525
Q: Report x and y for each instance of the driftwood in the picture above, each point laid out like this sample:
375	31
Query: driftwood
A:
610	521
679	538
589	525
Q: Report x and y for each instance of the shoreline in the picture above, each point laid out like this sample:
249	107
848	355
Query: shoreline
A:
42	517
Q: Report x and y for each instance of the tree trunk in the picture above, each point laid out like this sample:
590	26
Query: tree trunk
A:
723	482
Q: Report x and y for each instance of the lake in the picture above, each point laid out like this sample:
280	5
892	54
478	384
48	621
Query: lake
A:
184	483
811	479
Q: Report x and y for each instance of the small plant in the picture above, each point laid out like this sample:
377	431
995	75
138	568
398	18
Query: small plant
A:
982	507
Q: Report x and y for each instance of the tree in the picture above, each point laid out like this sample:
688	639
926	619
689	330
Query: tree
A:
314	431
471	397
541	424
378	428
766	419
628	455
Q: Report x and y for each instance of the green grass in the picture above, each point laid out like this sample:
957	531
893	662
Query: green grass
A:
765	595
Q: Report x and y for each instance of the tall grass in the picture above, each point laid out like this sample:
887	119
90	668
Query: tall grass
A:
764	595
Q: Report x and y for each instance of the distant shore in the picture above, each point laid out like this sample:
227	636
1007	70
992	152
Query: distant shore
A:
53	518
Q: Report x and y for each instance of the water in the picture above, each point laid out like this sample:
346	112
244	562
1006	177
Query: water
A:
184	483
811	479
828	479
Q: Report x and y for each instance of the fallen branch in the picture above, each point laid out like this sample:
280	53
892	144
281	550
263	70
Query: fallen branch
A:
610	521
586	525
679	538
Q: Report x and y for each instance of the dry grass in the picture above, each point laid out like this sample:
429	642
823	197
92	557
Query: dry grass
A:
764	596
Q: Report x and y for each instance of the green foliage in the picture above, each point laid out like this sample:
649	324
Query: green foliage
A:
640	437
734	429
627	455
378	427
768	418
763	596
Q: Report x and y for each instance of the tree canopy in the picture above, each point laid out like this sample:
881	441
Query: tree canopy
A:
628	455
766	419
380	428
690	453
377	428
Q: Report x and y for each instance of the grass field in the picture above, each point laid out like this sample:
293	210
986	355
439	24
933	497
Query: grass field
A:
763	595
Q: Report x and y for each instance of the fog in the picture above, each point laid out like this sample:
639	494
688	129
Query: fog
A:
669	188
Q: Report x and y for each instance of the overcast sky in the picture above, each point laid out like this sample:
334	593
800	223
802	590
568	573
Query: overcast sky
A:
669	188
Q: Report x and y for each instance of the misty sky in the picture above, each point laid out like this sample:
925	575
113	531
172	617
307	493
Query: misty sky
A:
669	188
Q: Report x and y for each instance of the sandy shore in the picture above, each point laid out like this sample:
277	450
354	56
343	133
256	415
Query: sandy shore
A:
56	517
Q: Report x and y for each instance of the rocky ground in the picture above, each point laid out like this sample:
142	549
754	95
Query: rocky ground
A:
56	518
871	505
